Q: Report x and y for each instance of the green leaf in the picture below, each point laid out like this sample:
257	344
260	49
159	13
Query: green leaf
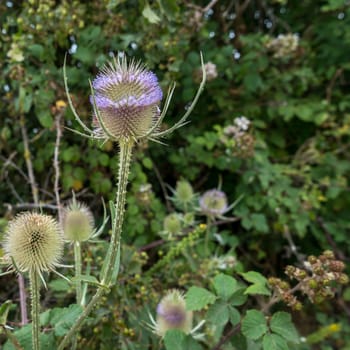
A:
218	313
281	323
274	342
225	285
197	298
234	314
4	310
254	325
239	297
254	277
45	118
173	339
259	283
150	15
62	319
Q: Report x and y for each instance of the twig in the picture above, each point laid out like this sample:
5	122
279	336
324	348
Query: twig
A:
56	163
31	206
210	5
28	160
329	90
162	185
8	162
227	337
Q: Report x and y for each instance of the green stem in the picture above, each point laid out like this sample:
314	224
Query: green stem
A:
207	236
123	173
77	262
35	295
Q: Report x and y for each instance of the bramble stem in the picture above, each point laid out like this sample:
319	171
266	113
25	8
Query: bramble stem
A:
112	254
35	296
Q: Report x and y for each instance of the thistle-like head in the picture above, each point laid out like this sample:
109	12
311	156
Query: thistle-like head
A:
33	242
213	203
126	100
78	222
172	314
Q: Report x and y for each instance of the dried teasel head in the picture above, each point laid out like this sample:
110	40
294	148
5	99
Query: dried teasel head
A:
33	242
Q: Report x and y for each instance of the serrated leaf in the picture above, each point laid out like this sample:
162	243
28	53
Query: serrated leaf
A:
274	342
254	325
150	15
197	298
218	313
225	285
173	339
281	323
254	277
63	318
257	289
234	314
238	298
259	283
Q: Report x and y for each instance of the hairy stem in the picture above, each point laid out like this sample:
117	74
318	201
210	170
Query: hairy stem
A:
35	296
109	270
77	263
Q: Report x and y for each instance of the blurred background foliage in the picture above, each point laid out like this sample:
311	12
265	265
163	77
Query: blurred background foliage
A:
283	65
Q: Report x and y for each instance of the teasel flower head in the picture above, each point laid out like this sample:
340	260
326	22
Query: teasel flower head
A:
33	242
126	99
78	222
126	103
213	203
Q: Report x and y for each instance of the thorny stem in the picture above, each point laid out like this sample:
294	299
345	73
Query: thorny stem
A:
35	296
77	263
106	280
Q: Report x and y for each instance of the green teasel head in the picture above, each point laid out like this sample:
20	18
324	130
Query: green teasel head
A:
33	242
78	222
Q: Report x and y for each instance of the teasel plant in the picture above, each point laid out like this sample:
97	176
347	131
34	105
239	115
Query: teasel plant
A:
125	98
33	243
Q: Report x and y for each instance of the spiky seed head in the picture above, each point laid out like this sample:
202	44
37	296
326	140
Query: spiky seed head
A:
34	242
78	222
172	223
172	314
213	203
127	97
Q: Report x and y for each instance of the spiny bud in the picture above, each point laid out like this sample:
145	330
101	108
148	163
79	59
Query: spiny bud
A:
172	314
126	96
297	306
172	223
34	241
213	202
78	222
184	192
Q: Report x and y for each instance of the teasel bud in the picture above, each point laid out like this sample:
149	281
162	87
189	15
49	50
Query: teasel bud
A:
213	203
184	193
172	314
127	98
34	242
78	222
172	223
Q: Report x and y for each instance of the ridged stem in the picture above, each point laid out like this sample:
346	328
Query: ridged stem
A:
123	173
35	296
77	263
